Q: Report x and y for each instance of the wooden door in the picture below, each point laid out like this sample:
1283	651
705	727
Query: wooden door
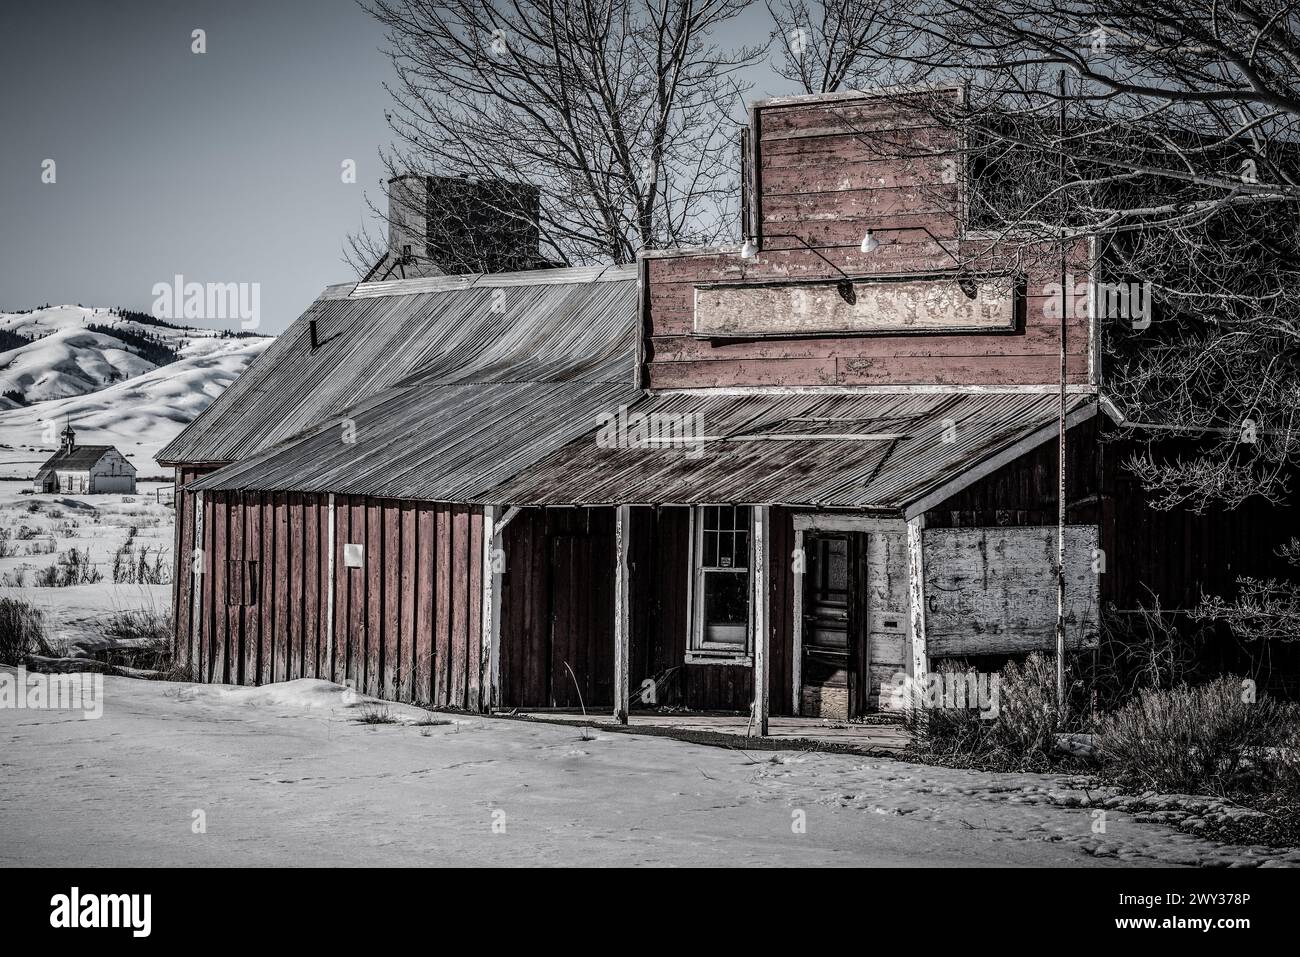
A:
834	665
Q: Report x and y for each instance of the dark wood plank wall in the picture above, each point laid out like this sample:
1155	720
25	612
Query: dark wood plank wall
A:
821	180
1023	492
406	624
557	606
661	618
1173	556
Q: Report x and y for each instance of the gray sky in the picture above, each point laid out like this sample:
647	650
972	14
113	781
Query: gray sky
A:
222	167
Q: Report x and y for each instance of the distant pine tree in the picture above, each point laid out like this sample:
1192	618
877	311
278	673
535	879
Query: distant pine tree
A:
145	346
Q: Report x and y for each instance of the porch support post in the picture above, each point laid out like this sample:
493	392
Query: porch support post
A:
198	562
493	567
329	595
796	630
622	611
919	665
762	617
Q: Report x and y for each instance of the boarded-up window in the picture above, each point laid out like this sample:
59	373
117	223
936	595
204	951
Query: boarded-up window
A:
992	591
241	582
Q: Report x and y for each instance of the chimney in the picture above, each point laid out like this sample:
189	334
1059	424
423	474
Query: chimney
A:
450	224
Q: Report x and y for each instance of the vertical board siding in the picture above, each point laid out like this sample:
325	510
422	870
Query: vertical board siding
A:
557	609
425	620
406	624
188	642
557	605
252	515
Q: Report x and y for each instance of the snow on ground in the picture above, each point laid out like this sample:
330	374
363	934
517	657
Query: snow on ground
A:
35	530
110	395
285	775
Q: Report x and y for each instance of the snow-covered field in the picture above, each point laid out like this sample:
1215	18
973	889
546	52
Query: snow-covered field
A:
285	775
35	530
110	395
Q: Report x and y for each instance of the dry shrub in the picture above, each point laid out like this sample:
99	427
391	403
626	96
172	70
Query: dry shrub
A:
22	631
1022	736
154	642
375	714
1202	738
1028	719
74	567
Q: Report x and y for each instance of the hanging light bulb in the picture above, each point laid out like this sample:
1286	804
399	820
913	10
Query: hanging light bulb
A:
749	249
869	243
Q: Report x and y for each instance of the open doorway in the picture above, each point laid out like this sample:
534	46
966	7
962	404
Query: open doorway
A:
833	662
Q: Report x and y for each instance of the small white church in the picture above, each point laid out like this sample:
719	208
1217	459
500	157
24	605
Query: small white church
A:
88	469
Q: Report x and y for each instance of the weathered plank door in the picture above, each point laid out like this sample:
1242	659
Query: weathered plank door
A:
582	613
835	664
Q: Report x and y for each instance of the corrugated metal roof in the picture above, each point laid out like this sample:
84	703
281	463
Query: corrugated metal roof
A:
876	451
447	443
555	325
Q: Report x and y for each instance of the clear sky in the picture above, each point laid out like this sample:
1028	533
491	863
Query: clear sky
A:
221	167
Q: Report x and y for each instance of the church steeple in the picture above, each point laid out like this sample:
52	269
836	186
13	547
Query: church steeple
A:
69	438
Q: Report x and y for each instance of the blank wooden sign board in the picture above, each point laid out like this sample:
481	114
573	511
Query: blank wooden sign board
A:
993	590
828	307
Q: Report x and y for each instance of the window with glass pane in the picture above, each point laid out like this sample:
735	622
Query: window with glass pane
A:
722	581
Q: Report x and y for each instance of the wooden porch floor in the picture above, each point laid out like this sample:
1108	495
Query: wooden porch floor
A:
729	730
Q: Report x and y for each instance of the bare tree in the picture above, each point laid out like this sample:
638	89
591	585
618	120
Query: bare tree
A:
825	45
620	111
1176	143
1181	154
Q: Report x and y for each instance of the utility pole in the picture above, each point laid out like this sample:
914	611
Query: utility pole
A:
1066	297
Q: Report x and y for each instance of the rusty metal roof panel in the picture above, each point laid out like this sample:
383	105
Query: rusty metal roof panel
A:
564	326
865	451
448	443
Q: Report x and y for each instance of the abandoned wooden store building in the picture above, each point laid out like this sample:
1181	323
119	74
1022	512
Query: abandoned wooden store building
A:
801	468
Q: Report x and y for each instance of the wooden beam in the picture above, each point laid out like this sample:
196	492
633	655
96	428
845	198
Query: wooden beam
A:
919	662
490	663
329	594
196	588
796	631
760	599
507	518
622	611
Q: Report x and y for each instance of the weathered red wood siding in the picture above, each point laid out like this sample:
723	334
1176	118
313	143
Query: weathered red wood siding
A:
183	538
406	624
821	179
557	607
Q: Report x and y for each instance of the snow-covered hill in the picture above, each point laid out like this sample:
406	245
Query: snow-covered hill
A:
101	384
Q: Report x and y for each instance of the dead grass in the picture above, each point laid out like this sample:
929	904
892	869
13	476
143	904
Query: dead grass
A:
375	714
153	643
22	631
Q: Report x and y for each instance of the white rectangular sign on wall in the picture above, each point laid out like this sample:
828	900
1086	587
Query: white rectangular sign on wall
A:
354	556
